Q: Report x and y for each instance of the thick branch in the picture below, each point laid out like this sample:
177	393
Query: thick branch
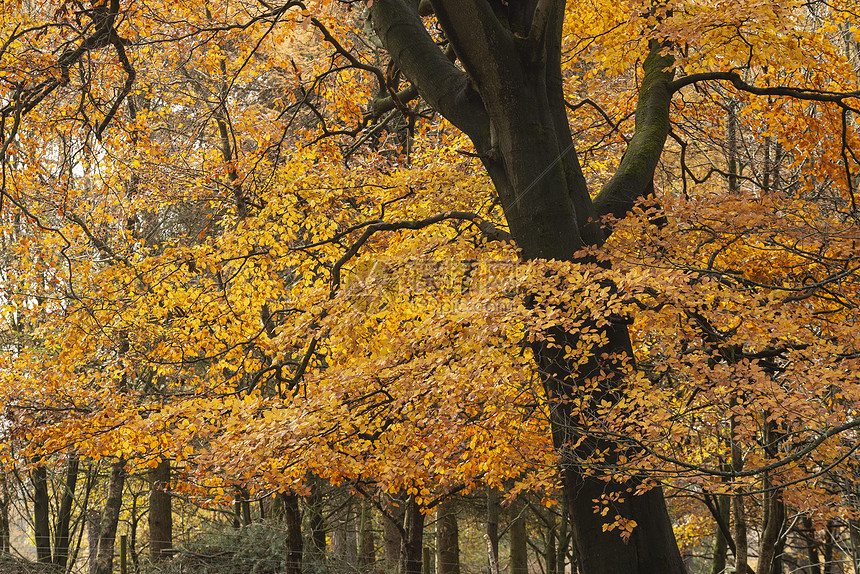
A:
381	105
438	80
635	174
539	26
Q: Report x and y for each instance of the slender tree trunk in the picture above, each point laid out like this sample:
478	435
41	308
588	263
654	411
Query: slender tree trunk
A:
732	145
447	539
771	530
93	523
718	565
5	504
830	566
493	530
854	535
64	518
808	535
366	538
293	524
518	541
160	510
241	507
426	561
564	539
740	533
110	519
738	512
550	547
314	505
770	546
41	502
134	520
344	546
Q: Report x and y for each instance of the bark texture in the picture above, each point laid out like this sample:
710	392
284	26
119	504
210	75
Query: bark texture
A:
293	525
519	563
110	520
41	524
447	539
5	503
64	515
160	511
412	539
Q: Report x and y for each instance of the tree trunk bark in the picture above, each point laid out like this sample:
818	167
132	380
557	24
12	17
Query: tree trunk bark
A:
564	539
599	551
411	544
160	511
830	566
366	538
110	519
493	530
64	517
93	522
395	514
738	511
344	542
771	529
293	524
41	524
732	145
314	505
241	508
721	545
447	539
808	535
5	504
854	535
518	541
550	548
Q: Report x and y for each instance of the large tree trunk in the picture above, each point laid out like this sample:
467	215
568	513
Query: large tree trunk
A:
64	517
412	539
160	510
392	525
41	502
509	101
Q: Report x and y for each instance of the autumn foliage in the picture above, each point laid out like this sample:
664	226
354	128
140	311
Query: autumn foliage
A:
235	237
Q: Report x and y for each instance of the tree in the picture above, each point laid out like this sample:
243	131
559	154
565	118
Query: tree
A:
509	99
